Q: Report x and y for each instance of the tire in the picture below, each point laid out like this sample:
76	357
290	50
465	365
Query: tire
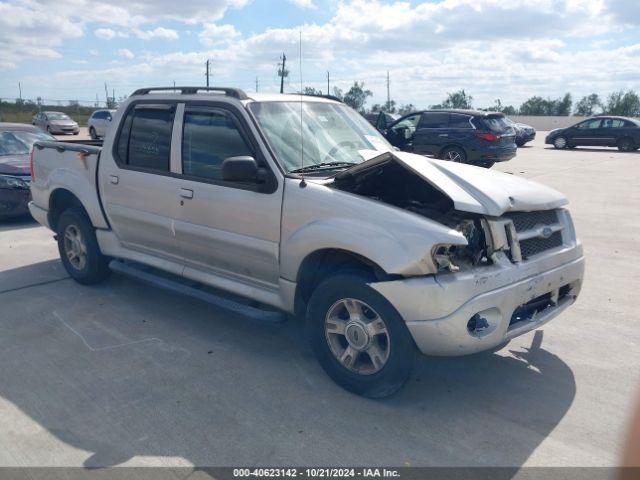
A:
79	250
626	145
92	133
520	143
560	143
49	130
76	133
454	154
391	345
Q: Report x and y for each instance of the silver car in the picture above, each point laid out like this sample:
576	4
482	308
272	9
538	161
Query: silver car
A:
55	122
99	123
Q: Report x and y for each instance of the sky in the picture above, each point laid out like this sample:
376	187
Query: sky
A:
506	49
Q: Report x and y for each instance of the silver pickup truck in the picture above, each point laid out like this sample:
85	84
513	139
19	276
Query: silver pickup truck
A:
297	202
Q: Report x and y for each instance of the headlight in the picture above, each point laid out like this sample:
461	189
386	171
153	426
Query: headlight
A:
456	257
12	182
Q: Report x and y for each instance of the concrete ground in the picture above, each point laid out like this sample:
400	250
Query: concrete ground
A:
126	374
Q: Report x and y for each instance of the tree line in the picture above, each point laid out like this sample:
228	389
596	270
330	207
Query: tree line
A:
624	103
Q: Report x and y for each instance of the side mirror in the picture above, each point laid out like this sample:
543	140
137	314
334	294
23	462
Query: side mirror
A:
242	169
109	118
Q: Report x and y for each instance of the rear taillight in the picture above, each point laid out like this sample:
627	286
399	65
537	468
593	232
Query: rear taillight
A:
33	175
489	137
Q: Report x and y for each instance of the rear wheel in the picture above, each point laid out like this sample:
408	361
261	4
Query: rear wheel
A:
626	145
360	340
79	250
560	143
454	154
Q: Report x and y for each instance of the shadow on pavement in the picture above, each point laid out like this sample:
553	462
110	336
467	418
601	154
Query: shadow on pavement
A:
15	223
123	370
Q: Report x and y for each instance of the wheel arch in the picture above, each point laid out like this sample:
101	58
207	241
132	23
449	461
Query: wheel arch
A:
62	199
321	263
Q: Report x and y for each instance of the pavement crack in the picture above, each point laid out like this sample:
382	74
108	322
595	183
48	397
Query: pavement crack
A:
23	287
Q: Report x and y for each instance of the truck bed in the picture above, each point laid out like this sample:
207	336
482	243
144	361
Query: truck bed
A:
71	166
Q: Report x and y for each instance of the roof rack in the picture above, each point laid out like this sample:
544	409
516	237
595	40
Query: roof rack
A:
231	92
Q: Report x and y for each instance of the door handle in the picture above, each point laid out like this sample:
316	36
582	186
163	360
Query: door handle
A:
443	134
114	179
186	193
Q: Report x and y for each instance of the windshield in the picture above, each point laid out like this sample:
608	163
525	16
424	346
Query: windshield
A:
57	116
19	142
331	134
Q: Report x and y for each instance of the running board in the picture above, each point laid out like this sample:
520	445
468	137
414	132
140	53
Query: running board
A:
202	292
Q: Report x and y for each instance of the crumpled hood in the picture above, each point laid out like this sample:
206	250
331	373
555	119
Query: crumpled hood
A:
473	189
14	164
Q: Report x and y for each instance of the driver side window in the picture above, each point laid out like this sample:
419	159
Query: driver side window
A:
595	123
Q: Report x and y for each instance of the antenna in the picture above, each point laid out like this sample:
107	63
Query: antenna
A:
302	182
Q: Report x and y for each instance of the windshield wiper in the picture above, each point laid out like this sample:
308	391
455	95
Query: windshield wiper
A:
322	166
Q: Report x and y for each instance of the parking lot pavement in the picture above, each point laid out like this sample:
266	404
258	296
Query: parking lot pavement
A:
124	373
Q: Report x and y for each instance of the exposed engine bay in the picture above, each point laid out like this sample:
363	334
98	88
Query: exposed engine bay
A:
390	182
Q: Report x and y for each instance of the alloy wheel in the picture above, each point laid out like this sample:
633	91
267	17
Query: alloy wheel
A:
453	156
75	247
357	336
560	142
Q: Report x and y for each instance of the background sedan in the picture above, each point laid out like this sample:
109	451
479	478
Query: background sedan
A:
55	122
620	132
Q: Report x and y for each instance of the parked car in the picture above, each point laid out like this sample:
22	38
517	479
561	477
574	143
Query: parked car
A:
99	122
381	120
301	204
524	133
55	122
464	136
16	140
602	131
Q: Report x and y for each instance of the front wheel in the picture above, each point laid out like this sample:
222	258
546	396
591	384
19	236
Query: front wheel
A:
93	134
360	340
454	154
79	250
560	143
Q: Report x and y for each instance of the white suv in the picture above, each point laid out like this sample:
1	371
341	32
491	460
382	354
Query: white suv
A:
99	123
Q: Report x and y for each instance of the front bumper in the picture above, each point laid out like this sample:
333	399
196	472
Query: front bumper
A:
39	214
14	201
438	310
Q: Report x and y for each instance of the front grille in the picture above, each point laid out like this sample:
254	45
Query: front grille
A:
532	246
530	232
529	220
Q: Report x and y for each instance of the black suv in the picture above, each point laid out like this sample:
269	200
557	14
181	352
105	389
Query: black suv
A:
466	136
620	132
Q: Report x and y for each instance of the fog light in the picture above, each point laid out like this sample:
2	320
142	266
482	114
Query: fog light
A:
477	324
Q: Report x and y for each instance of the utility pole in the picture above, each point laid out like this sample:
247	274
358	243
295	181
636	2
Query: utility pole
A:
282	71
20	90
256	84
106	94
388	94
207	74
328	83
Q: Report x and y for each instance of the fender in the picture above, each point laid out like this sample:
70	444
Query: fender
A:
406	253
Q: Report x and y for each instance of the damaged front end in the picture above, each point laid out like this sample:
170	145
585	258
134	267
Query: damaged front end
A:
392	183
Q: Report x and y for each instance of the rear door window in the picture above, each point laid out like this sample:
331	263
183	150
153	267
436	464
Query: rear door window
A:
145	138
434	120
613	123
457	120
